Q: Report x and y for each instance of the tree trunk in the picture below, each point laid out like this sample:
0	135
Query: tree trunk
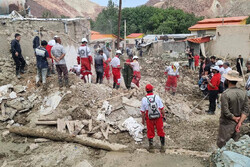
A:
59	136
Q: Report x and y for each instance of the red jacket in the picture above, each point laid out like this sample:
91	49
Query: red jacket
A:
215	81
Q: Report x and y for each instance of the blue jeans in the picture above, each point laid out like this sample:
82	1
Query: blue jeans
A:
41	72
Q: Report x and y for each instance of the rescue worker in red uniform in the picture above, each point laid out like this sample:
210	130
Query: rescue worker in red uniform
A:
51	69
85	59
172	73
213	89
152	111
116	69
106	66
136	71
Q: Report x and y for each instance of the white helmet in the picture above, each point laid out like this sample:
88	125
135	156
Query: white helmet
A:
56	36
135	57
219	63
118	52
52	42
84	40
176	64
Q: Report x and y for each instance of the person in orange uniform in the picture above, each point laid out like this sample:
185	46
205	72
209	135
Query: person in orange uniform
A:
116	69
213	89
152	111
85	59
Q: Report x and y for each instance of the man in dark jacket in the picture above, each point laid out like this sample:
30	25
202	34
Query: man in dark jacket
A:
99	59
17	55
239	64
128	72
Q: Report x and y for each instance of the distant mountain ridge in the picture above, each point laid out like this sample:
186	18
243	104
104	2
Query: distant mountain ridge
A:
207	8
68	8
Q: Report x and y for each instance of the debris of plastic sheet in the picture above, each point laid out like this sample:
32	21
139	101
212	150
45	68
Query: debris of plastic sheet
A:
135	129
13	95
50	103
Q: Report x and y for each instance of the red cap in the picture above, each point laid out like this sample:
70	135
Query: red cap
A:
149	87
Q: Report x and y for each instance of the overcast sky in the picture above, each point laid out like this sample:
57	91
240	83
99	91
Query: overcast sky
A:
125	3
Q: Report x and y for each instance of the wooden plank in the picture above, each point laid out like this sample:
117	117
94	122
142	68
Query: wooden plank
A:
105	133
90	125
46	122
61	125
78	127
70	126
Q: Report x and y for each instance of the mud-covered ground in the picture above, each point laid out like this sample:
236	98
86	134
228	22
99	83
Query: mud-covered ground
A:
197	132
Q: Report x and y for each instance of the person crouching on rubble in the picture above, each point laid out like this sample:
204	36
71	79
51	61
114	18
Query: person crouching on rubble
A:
152	111
116	69
213	89
85	59
42	57
234	109
136	71
172	73
58	54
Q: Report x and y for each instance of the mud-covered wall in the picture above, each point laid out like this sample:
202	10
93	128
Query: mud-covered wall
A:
231	41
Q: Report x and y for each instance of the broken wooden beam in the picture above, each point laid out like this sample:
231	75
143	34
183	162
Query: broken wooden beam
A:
46	122
59	136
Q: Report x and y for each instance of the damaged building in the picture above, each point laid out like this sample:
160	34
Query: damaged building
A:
70	30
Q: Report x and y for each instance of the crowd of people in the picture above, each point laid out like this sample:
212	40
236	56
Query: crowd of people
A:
216	78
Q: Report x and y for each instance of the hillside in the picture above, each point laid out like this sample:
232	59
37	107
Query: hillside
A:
70	8
207	8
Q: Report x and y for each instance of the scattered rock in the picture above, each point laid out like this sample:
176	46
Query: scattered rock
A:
5	133
33	146
19	88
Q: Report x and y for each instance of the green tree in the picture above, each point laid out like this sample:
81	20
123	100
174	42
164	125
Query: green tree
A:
145	19
248	20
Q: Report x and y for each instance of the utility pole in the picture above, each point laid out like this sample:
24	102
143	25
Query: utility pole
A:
125	34
119	24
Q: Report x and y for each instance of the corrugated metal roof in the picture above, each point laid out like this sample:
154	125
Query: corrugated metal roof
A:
199	40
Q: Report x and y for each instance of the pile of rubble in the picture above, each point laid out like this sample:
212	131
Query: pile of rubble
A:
7	70
233	153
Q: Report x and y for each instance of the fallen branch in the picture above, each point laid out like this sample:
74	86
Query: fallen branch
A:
58	136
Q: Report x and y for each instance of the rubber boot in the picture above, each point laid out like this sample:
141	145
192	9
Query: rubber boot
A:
162	139
86	78
114	85
117	86
89	76
173	93
18	74
151	146
60	82
67	83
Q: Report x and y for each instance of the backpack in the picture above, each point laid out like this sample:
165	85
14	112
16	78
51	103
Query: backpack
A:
153	110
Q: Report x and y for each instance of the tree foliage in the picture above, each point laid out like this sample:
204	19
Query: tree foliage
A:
144	19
